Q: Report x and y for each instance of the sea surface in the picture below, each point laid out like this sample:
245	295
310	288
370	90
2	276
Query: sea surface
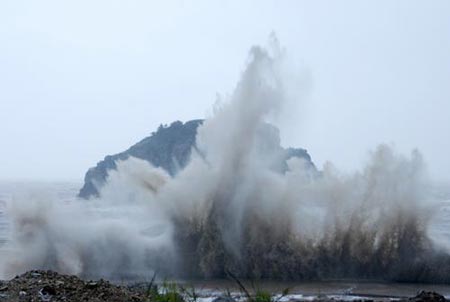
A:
9	190
349	290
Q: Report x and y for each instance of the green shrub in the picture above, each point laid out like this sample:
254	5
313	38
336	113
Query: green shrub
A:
167	292
262	296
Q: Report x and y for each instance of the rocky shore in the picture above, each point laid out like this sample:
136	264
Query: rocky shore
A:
50	286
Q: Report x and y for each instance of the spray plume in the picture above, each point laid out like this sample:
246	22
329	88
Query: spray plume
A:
231	209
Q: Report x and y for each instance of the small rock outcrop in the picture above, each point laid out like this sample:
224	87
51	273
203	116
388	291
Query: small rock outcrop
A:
425	296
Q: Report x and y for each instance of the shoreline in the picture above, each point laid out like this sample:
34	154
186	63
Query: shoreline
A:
52	286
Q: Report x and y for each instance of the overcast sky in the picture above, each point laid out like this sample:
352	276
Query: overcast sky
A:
85	78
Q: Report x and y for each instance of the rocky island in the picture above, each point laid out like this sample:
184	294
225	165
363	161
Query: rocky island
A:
170	148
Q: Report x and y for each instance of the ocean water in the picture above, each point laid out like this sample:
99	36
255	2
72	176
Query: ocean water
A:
307	291
64	191
439	231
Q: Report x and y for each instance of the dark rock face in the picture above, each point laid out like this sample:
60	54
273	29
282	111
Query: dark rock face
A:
170	148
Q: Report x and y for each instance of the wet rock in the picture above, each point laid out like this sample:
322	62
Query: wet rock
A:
48	290
92	285
425	296
224	299
136	299
36	275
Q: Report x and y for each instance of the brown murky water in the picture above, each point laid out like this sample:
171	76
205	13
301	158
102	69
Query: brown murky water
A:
345	289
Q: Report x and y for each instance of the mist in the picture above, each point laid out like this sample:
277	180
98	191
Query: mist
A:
231	210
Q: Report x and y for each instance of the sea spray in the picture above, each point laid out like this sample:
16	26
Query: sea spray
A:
236	208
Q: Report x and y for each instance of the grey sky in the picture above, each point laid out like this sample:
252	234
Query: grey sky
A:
82	79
